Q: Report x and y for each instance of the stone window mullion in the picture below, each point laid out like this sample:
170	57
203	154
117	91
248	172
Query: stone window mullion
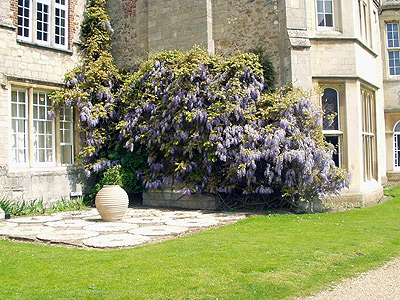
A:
30	128
57	140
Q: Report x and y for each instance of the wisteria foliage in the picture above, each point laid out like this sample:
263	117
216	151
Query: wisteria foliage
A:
208	127
93	89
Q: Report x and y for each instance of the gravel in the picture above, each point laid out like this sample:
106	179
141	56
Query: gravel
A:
379	284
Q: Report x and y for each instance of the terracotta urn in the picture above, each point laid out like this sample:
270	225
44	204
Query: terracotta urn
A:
112	202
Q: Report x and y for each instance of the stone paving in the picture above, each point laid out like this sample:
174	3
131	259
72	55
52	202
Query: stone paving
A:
86	229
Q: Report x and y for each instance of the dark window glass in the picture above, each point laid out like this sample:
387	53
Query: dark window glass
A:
330	107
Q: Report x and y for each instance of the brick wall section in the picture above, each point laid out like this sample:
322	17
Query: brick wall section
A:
143	26
5	14
130	39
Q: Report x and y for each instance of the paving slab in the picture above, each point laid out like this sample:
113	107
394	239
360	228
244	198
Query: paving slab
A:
35	219
25	232
66	235
139	226
193	222
116	240
159	230
110	226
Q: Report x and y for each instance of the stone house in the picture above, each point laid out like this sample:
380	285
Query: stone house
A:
348	48
38	44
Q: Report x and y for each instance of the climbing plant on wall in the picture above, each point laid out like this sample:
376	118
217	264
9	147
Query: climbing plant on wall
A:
208	126
93	89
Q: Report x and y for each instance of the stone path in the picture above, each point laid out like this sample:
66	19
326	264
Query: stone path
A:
378	284
86	229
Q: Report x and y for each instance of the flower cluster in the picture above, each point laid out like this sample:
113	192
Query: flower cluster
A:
208	125
93	88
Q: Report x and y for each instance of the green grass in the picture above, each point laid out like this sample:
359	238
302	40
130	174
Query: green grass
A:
264	257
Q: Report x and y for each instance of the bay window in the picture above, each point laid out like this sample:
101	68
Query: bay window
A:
331	121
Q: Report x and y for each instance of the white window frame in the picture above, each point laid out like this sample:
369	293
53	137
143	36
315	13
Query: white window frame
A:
30	134
49	22
53	6
368	132
338	132
25	149
23	37
392	49
325	27
61	7
396	148
71	135
37	135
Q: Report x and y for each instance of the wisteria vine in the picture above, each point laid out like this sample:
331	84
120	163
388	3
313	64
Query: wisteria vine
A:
209	127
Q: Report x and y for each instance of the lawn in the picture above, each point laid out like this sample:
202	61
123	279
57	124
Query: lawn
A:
263	257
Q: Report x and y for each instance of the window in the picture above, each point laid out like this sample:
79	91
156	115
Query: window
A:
331	124
396	145
66	135
393	48
368	134
43	22
43	129
325	13
19	126
364	21
33	133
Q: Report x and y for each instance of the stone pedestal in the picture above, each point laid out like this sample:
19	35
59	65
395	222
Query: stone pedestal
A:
174	198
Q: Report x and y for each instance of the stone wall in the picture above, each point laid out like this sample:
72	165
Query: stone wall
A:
174	198
47	184
129	19
225	27
23	64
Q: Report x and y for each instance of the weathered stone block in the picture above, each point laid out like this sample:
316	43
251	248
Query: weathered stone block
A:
173	198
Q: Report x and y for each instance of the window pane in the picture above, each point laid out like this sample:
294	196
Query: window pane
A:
328	7
60	26
40	139
330	107
329	20
66	154
393	34
394	62
41	156
368	132
66	134
42	21
325	13
396	150
14	110
321	20
43	129
21	126
49	141
18	126
334	140
23	22
320	6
